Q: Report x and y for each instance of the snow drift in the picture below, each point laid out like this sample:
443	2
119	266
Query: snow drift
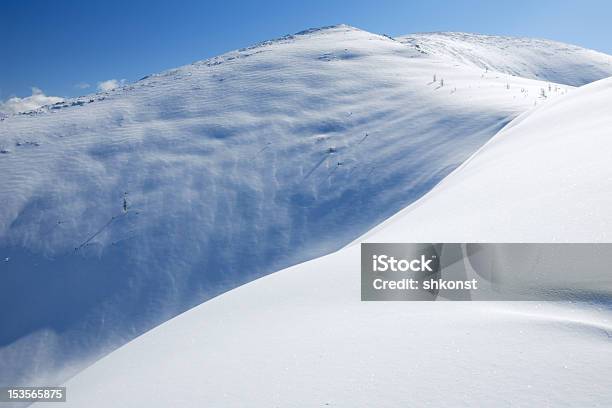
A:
302	337
548	171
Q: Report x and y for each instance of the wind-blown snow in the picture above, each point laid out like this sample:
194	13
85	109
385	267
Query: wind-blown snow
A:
231	168
301	337
548	172
525	57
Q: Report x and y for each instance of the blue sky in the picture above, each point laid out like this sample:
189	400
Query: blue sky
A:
61	46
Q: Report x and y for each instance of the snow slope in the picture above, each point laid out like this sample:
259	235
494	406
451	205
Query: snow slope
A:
301	337
231	168
548	168
525	57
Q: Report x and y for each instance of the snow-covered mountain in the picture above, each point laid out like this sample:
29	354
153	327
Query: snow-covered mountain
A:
123	209
302	337
525	57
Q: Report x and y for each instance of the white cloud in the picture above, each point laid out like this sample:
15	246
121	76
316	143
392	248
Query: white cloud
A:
110	84
38	99
82	85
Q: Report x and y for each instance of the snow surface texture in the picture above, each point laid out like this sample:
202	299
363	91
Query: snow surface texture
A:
525	57
230	168
548	172
302	337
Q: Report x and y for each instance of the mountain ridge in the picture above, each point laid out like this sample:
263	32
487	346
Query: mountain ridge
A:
423	41
542	59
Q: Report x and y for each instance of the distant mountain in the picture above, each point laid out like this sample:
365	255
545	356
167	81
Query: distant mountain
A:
122	209
525	57
302	337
